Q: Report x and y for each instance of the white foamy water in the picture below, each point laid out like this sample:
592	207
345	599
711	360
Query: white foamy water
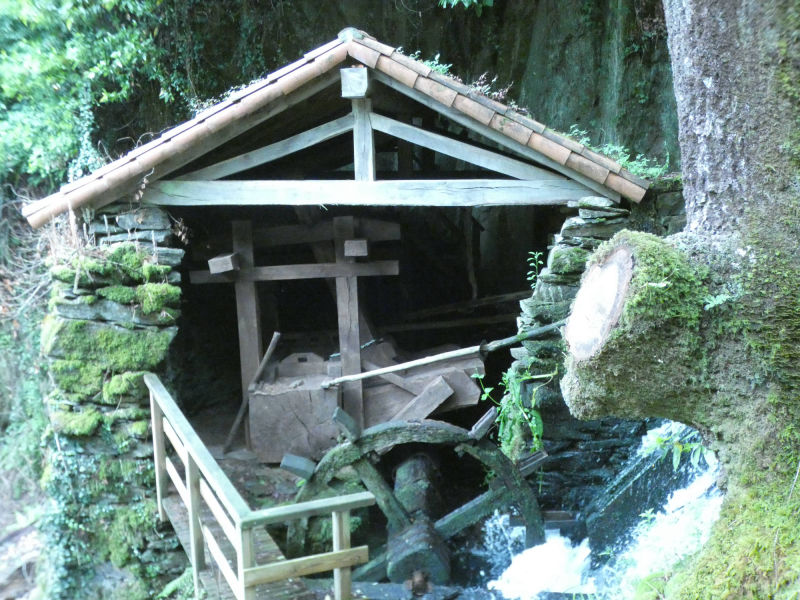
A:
555	566
657	543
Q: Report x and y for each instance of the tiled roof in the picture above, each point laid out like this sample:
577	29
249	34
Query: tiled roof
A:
186	142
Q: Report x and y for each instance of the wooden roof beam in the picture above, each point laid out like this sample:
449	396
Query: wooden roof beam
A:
435	192
461	150
497	137
290	145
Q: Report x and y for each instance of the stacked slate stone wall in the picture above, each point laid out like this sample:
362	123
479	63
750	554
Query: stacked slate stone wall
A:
112	318
584	456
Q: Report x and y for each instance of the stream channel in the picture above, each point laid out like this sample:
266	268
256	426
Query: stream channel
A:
665	518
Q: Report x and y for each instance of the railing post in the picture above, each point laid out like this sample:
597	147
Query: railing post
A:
342	578
159	455
245	558
195	533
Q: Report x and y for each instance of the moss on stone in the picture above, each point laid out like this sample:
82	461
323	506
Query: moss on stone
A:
155	273
125	534
82	423
139	429
153	297
127	386
120	294
108	346
77	377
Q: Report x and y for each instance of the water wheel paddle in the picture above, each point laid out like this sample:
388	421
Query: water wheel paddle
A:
417	541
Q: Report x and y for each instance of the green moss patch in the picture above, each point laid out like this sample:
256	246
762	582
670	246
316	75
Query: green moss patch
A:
81	423
107	346
123	264
128	386
121	294
153	297
77	377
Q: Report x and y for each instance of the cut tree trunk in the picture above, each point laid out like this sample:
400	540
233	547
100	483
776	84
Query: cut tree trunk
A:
704	327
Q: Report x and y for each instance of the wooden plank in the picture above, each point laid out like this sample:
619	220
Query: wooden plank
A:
306	271
175	441
299	465
176	511
495	136
342	576
348	320
307	565
530	463
474	510
355	248
221	561
347	424
433	192
219	482
434	394
462	150
468	305
396	516
197	551
248	311
363	141
221	517
312	508
290	145
484	424
224	263
355	82
177	480
159	456
401	382
449	323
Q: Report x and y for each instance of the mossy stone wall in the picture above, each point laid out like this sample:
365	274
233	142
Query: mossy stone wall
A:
112	318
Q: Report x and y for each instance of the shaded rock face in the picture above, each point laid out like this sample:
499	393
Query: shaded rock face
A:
599	64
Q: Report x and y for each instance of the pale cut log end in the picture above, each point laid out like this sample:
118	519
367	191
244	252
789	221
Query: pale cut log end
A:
599	303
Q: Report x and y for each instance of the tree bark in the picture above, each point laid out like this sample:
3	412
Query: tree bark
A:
708	329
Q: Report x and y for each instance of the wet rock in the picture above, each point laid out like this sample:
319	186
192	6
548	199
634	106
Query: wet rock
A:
578	227
158	236
146	217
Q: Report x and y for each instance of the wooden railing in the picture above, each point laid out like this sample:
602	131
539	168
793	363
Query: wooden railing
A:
204	482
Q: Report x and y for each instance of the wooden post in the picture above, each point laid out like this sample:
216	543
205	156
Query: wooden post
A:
247	311
342	577
195	533
363	142
245	559
159	455
348	316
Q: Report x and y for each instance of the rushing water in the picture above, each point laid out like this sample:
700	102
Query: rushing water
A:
656	543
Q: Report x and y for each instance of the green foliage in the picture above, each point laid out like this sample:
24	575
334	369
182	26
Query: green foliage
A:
517	416
534	262
61	60
478	5
648	168
125	386
676	446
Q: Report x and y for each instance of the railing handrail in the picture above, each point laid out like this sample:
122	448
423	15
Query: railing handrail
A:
310	508
213	473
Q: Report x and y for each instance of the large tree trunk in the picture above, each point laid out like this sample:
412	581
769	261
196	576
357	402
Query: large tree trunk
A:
704	327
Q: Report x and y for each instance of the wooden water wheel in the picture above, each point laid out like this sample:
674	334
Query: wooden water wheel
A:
419	519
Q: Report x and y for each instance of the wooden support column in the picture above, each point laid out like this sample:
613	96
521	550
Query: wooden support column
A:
248	315
347	309
363	142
